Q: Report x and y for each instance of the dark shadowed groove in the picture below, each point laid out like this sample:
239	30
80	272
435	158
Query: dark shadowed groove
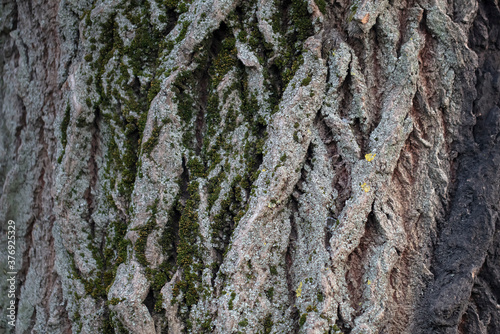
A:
470	232
341	323
482	314
20	126
294	205
326	136
341	172
93	171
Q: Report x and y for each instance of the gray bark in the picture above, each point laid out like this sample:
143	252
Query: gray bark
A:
264	166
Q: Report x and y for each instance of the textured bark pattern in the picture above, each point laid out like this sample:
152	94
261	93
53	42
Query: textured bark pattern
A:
264	166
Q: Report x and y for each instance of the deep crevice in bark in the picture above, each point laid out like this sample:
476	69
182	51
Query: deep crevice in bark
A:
471	223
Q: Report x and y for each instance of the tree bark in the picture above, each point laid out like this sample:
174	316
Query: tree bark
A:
263	166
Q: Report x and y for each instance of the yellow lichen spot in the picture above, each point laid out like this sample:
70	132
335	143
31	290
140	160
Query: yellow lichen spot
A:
299	290
370	156
264	170
365	187
368	282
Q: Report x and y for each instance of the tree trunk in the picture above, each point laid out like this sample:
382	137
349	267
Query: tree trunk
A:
262	166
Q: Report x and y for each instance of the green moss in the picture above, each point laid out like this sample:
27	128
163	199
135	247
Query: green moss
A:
196	167
59	159
185	102
118	242
162	18
158	305
112	325
144	231
268	324
144	48
283	157
153	90
311	308
207	325
214	188
231	210
306	81
303	319
242	36
293	34
354	9
212	115
124	114
224	62
188	256
112	44
243	323
187	138
321	5
189	288
142	54
270	293
182	33
168	242
230	303
301	19
107	261
114	301
152	141
182	7
129	159
273	270
64	126
167	46
230	121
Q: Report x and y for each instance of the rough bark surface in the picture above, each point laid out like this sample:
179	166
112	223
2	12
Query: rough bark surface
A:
263	166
